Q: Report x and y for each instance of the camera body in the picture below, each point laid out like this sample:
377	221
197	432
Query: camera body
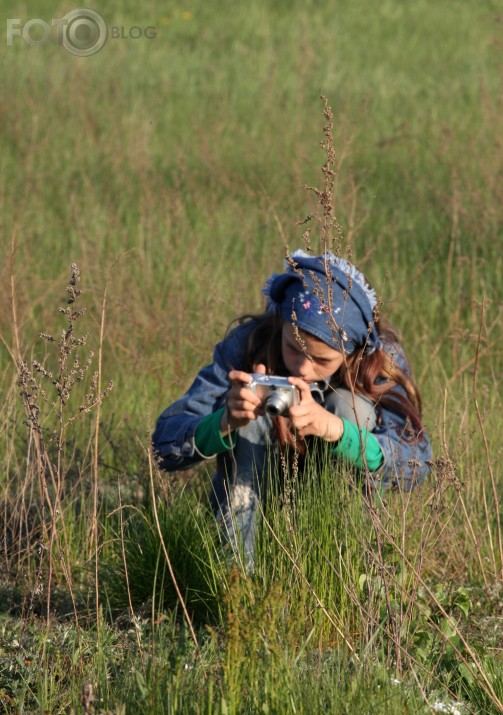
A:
276	393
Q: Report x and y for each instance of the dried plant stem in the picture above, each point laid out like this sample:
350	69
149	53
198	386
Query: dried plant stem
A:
124	561
165	551
468	520
472	662
327	219
488	461
15	352
480	350
94	522
474	665
374	625
290	477
48	442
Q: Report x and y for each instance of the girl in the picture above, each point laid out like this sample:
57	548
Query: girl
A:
321	325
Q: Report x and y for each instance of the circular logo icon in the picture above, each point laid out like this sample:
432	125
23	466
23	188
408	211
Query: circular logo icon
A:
84	32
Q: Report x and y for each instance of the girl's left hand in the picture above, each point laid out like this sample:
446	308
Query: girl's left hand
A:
310	418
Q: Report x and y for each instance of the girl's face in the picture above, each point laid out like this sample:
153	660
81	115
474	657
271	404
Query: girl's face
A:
310	358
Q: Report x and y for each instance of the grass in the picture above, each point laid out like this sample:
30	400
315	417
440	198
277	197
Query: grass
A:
172	172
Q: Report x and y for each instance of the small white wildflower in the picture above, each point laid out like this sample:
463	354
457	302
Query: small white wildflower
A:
395	681
452	709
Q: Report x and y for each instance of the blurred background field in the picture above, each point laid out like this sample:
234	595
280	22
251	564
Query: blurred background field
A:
174	167
171	170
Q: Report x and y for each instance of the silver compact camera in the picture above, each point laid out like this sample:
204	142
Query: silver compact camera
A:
278	395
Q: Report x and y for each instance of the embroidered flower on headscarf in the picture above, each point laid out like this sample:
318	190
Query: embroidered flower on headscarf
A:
310	304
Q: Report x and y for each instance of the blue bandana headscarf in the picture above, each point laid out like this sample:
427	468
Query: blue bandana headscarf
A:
327	297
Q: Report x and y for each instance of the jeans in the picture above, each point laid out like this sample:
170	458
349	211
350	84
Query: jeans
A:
240	482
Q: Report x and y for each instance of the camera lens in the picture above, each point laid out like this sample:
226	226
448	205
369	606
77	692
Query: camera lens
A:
278	403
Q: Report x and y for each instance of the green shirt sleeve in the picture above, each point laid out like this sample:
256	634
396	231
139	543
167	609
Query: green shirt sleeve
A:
208	439
350	445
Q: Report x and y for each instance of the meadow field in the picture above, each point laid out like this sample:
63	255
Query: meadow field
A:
147	192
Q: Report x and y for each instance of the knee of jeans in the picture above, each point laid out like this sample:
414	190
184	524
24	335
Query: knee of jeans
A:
352	407
243	498
243	495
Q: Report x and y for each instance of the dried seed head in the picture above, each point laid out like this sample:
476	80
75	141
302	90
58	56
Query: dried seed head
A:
73	292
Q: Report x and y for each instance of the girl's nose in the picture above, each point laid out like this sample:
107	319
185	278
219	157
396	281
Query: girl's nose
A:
303	367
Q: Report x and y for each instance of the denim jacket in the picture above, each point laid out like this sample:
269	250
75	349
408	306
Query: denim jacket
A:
405	462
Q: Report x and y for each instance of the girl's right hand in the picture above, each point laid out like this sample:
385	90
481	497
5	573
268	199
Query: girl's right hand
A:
242	405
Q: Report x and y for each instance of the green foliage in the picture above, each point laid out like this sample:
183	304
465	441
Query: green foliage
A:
472	690
136	572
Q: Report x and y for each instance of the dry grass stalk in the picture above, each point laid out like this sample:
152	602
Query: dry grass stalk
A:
48	397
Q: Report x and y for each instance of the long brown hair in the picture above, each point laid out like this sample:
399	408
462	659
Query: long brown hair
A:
376	374
372	375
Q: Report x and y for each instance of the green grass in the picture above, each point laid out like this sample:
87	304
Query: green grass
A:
172	172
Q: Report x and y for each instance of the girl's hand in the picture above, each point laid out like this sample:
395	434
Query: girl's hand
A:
242	405
310	418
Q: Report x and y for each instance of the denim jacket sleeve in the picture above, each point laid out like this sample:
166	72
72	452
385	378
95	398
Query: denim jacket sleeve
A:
173	438
406	461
